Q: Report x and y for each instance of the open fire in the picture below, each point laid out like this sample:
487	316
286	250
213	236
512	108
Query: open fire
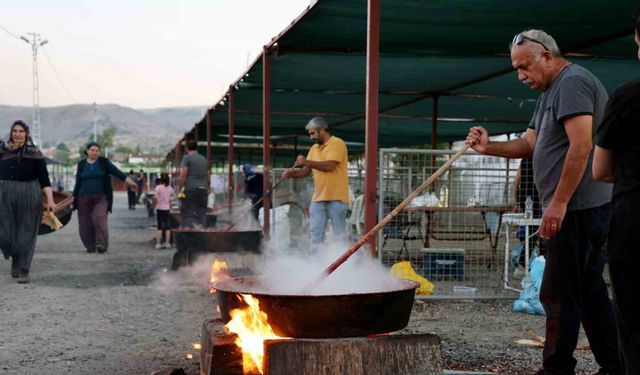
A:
219	271
249	324
252	328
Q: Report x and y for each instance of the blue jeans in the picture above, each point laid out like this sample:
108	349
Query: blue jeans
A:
320	213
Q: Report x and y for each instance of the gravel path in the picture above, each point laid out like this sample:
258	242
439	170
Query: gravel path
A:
122	313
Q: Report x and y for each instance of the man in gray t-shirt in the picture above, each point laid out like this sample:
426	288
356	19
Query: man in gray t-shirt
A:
574	92
194	179
575	207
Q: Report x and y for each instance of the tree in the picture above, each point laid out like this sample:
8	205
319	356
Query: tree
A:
105	139
62	147
124	149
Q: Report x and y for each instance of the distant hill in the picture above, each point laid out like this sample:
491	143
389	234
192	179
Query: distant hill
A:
155	130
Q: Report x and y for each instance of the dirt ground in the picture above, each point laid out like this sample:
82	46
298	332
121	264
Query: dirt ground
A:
122	312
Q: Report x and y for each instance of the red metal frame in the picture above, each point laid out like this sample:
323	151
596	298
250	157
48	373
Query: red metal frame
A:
208	124
266	135
230	149
178	156
434	123
371	119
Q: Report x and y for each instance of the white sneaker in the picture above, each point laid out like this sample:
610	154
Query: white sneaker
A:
167	246
158	246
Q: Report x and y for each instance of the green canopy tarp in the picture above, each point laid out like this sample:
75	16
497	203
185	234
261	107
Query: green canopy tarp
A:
455	50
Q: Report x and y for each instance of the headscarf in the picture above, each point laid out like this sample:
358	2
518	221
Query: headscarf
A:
248	170
11	150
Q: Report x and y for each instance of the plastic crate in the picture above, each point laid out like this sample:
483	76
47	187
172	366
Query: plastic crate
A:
443	264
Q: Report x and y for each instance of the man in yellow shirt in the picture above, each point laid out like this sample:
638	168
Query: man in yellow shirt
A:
327	160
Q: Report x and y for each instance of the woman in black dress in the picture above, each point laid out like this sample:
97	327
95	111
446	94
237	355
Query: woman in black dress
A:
23	179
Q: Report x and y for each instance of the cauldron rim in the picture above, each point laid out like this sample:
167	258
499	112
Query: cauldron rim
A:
236	286
213	230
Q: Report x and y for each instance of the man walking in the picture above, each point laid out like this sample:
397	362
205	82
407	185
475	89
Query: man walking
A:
327	160
576	208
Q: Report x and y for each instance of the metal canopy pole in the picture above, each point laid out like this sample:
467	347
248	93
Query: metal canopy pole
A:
178	157
230	149
434	123
195	133
266	136
434	133
208	123
371	119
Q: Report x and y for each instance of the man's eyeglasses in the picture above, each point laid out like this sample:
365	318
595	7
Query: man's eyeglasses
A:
519	38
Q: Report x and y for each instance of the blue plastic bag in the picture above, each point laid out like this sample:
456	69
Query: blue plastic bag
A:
529	301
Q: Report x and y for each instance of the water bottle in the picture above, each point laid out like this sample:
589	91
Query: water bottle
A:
528	208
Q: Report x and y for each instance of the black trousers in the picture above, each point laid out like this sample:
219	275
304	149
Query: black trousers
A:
573	291
626	302
194	208
131	198
255	211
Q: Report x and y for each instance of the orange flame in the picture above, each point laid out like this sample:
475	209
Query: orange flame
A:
252	328
218	272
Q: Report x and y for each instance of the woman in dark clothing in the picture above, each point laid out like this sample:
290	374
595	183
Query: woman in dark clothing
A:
93	197
23	178
131	192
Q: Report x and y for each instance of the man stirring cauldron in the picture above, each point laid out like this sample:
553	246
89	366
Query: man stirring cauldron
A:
576	208
327	160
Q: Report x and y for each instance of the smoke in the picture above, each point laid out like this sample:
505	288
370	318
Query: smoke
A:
198	275
289	265
299	270
242	217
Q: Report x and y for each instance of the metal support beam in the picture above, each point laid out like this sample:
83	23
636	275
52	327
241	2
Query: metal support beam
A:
371	119
434	123
178	157
434	134
266	135
230	149
208	124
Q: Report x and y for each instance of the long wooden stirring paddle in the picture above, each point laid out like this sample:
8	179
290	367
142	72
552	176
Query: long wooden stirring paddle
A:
332	267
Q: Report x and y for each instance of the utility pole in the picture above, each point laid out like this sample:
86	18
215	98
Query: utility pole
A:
95	123
35	42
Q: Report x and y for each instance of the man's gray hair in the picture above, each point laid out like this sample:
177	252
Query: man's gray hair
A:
541	37
317	123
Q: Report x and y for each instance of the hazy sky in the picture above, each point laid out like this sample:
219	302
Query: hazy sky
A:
137	53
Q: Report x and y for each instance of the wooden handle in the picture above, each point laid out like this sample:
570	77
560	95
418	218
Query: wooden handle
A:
393	213
259	200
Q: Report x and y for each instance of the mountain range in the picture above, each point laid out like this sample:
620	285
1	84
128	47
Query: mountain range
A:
155	130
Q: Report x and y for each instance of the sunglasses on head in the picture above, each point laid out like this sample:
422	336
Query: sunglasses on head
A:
519	38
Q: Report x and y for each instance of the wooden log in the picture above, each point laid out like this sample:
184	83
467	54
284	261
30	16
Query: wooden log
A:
219	354
397	354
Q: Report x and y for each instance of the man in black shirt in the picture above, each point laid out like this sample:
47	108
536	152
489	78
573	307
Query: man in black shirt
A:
253	188
616	160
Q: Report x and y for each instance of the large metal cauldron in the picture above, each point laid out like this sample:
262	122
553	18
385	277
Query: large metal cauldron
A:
210	240
319	316
176	217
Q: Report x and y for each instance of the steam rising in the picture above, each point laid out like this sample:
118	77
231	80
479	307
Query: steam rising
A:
299	271
288	266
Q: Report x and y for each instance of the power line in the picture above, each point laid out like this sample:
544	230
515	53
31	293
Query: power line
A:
55	72
9	32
